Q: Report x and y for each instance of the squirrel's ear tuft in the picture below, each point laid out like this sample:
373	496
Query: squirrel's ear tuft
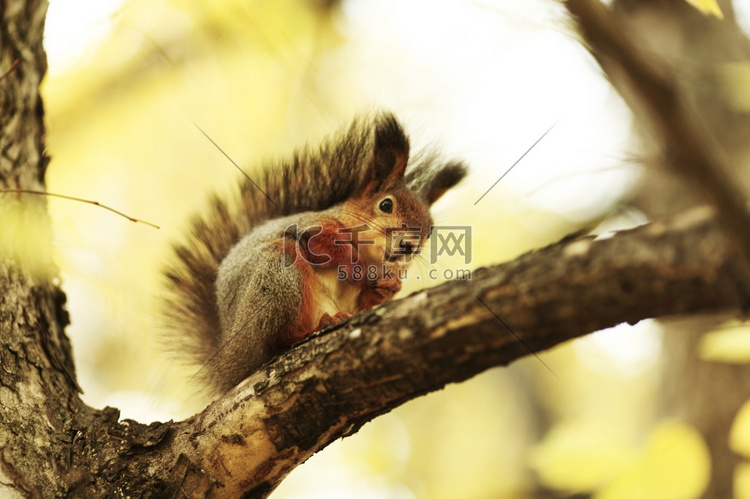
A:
387	161
444	178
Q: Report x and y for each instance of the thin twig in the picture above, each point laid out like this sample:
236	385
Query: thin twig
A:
72	198
234	163
517	161
520	340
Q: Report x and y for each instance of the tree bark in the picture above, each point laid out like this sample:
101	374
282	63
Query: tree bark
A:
38	391
51	444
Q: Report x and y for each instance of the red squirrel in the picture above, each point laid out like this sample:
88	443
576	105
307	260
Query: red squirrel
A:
314	240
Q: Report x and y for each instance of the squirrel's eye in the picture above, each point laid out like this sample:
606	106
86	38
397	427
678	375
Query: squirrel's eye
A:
386	205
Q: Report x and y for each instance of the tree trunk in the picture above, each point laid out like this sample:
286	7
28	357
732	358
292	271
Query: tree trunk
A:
38	390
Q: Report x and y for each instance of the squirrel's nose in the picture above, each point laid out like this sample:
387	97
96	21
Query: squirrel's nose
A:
407	248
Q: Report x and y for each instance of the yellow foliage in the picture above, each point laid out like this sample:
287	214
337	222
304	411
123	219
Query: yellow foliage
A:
742	481
708	7
675	464
578	457
739	435
729	344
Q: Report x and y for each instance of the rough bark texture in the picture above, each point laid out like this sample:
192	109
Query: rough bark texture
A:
38	392
52	445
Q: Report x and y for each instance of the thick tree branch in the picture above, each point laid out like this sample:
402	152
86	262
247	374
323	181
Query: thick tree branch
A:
328	386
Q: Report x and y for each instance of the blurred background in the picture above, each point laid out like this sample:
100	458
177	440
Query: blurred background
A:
651	410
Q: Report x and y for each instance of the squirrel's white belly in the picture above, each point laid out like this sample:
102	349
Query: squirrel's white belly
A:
338	294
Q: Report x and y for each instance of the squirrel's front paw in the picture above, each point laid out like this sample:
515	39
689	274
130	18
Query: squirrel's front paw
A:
377	292
386	287
327	320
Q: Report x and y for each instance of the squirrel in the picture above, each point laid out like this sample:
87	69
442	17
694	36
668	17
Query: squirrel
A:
318	238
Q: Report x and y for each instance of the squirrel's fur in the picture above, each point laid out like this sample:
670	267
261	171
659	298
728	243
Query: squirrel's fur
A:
234	277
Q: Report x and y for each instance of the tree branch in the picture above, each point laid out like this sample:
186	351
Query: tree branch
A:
330	385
